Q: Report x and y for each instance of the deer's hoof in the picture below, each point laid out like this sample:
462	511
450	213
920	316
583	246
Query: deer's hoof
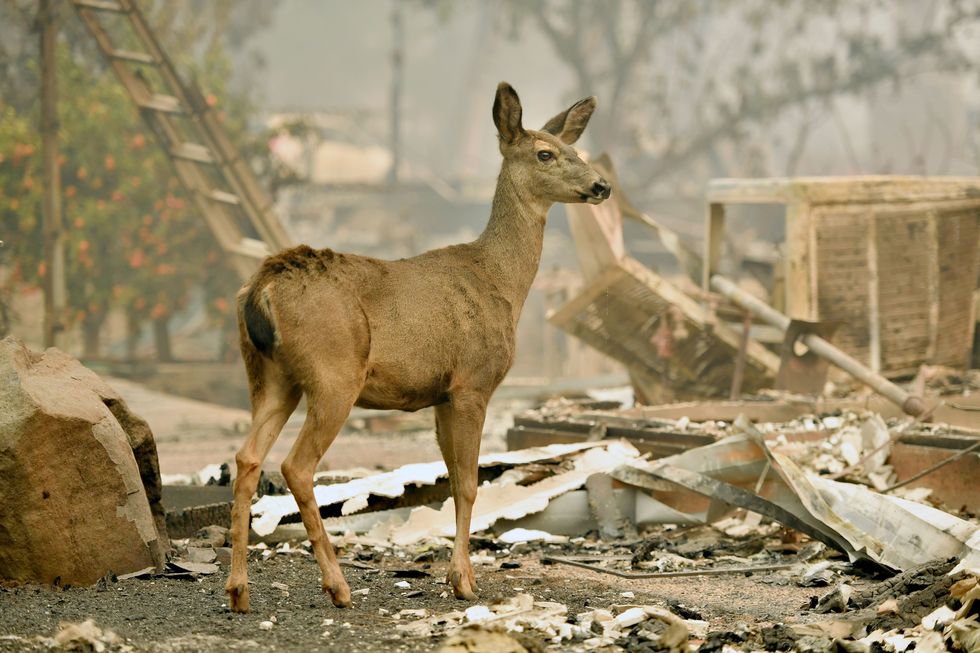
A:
463	584
464	594
237	596
339	594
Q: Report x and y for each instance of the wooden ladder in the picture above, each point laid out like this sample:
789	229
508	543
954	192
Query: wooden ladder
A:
212	171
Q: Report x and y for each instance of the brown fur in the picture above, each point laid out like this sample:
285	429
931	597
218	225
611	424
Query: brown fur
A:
437	330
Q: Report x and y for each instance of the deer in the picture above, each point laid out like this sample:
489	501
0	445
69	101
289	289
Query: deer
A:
437	329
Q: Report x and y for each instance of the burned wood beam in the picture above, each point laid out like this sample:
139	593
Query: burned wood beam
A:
616	429
910	404
528	433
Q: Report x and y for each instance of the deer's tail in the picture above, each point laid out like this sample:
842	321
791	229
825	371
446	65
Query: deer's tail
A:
256	318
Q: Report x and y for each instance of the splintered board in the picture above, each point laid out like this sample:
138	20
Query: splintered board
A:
640	319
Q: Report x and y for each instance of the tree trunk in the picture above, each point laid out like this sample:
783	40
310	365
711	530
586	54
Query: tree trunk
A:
133	325
92	332
161	339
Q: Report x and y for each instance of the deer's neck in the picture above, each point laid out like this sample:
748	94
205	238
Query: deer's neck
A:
512	240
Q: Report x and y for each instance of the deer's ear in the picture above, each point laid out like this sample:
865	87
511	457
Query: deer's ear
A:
569	124
507	114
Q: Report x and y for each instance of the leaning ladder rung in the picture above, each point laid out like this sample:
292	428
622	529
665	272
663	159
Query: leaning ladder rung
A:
135	57
192	152
223	197
250	247
163	103
100	5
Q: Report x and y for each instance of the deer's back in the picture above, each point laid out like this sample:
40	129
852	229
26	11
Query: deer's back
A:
432	321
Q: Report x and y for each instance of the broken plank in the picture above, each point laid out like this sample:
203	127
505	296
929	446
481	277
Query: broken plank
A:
520	437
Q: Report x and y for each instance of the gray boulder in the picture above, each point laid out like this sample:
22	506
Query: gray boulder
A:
79	476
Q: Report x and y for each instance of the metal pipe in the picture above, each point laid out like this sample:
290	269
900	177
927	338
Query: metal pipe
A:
911	404
708	571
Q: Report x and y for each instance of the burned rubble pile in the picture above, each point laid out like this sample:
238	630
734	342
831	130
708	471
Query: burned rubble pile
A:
818	499
811	502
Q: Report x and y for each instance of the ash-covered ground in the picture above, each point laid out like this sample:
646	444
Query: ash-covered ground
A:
164	614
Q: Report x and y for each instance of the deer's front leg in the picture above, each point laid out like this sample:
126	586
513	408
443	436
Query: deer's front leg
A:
460	428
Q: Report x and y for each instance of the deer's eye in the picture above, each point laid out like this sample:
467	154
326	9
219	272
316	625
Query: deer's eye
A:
545	155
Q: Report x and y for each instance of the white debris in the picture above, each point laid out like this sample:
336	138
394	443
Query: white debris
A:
208	473
477	614
938	617
697	627
521	613
86	636
269	510
515	535
630	617
832	422
496	502
624	395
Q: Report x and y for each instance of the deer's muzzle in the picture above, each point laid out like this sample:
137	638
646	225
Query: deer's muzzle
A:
600	191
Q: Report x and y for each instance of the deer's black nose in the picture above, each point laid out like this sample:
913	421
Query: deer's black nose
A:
601	189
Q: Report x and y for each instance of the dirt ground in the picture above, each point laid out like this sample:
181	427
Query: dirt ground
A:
192	615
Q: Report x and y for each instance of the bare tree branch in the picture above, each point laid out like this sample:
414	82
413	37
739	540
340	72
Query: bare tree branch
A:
882	67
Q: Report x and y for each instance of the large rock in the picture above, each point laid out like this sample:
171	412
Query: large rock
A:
79	477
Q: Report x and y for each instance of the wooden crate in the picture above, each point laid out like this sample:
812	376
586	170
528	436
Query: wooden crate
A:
894	259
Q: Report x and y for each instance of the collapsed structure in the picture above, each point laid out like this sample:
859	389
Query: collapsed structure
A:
888	265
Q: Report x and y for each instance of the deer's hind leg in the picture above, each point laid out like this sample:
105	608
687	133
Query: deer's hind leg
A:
330	394
274	398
